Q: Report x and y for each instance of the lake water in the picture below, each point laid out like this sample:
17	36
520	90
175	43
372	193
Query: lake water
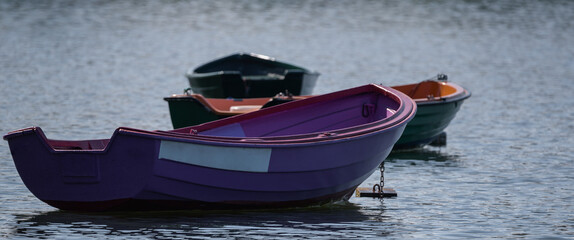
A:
80	69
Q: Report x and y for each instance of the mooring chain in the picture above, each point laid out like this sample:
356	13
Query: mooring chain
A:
378	188
382	169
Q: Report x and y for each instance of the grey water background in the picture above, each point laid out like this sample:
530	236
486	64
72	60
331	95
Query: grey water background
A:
80	69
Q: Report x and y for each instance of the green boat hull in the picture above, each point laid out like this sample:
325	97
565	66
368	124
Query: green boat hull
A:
245	75
188	112
430	121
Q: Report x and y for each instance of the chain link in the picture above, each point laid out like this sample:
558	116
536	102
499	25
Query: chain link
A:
382	180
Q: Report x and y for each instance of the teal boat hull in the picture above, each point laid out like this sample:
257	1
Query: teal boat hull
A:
431	119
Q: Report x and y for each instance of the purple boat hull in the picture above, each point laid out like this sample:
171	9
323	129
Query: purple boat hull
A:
307	152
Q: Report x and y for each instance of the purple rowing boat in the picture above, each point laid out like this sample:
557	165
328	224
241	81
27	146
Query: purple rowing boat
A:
307	152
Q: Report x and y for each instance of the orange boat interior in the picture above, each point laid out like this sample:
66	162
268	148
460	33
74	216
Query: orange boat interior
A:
231	106
428	90
422	91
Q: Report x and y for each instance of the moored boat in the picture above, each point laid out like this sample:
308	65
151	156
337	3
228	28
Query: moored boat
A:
249	75
437	101
307	152
192	109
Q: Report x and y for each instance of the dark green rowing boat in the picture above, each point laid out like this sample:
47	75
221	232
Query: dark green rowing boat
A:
248	75
438	101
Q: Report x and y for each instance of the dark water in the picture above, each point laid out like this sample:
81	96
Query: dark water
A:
79	69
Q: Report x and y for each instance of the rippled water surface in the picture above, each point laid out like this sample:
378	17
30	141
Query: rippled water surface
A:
80	69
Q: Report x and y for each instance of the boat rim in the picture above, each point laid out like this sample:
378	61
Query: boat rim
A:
403	114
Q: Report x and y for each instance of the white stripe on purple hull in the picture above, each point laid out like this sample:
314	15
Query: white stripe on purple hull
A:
228	158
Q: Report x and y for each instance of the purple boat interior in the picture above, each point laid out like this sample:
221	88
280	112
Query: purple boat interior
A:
311	117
